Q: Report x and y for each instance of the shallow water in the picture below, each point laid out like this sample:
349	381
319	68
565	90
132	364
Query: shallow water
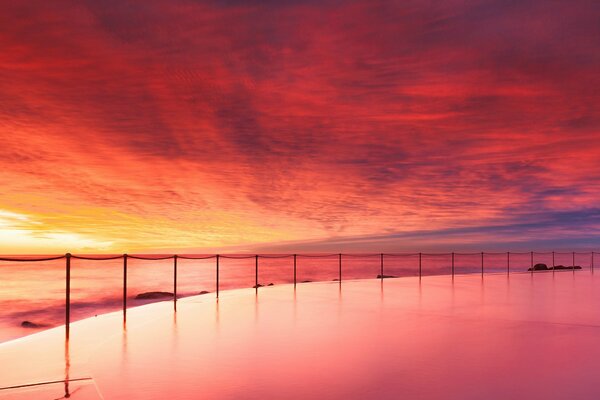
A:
36	291
523	336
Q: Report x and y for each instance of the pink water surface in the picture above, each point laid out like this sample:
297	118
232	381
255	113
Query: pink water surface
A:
36	291
497	337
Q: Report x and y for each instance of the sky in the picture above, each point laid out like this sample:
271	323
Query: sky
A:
272	126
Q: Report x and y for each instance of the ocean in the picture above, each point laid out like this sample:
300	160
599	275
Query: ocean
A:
35	292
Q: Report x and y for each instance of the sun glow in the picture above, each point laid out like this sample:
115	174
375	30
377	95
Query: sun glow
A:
20	233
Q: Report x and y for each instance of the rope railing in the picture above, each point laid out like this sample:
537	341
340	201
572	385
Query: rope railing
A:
509	263
237	257
187	257
152	258
275	256
326	255
98	258
13	259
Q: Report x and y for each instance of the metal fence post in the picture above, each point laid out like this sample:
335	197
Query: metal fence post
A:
256	272
532	263
340	267
452	265
482	264
420	269
294	271
124	288
217	276
67	295
592	262
553	264
573	263
508	263
175	282
381	266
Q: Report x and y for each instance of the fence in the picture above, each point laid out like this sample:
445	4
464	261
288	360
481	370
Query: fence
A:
380	258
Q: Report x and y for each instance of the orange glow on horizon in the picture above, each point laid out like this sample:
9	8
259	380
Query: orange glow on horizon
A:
374	125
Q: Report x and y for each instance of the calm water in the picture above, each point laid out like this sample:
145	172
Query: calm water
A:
35	291
518	337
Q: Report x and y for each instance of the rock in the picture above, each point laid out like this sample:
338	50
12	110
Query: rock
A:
32	325
566	267
270	284
336	279
257	286
385	276
306	281
539	267
154	295
204	292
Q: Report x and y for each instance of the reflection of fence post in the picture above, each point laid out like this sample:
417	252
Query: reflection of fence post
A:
452	265
340	267
482	263
256	272
175	282
420	266
217	276
295	270
67	294
532	263
381	266
124	288
508	263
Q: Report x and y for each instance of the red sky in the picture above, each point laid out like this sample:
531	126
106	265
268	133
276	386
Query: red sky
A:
315	125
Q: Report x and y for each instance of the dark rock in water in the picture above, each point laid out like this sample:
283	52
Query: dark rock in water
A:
204	292
385	276
270	284
539	267
257	286
33	325
566	267
153	295
336	279
306	281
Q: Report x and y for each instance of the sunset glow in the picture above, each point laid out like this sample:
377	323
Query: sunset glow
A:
202	126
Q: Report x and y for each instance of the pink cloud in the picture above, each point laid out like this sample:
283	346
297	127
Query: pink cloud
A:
228	123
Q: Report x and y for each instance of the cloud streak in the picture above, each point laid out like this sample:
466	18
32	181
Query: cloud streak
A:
221	123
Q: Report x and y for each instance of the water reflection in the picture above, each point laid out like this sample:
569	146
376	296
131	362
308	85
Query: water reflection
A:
217	316
67	368
256	307
295	306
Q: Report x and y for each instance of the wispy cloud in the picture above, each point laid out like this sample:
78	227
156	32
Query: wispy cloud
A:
217	123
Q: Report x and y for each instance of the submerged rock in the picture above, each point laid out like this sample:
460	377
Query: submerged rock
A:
32	325
306	281
153	295
270	284
257	286
538	267
204	292
385	276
